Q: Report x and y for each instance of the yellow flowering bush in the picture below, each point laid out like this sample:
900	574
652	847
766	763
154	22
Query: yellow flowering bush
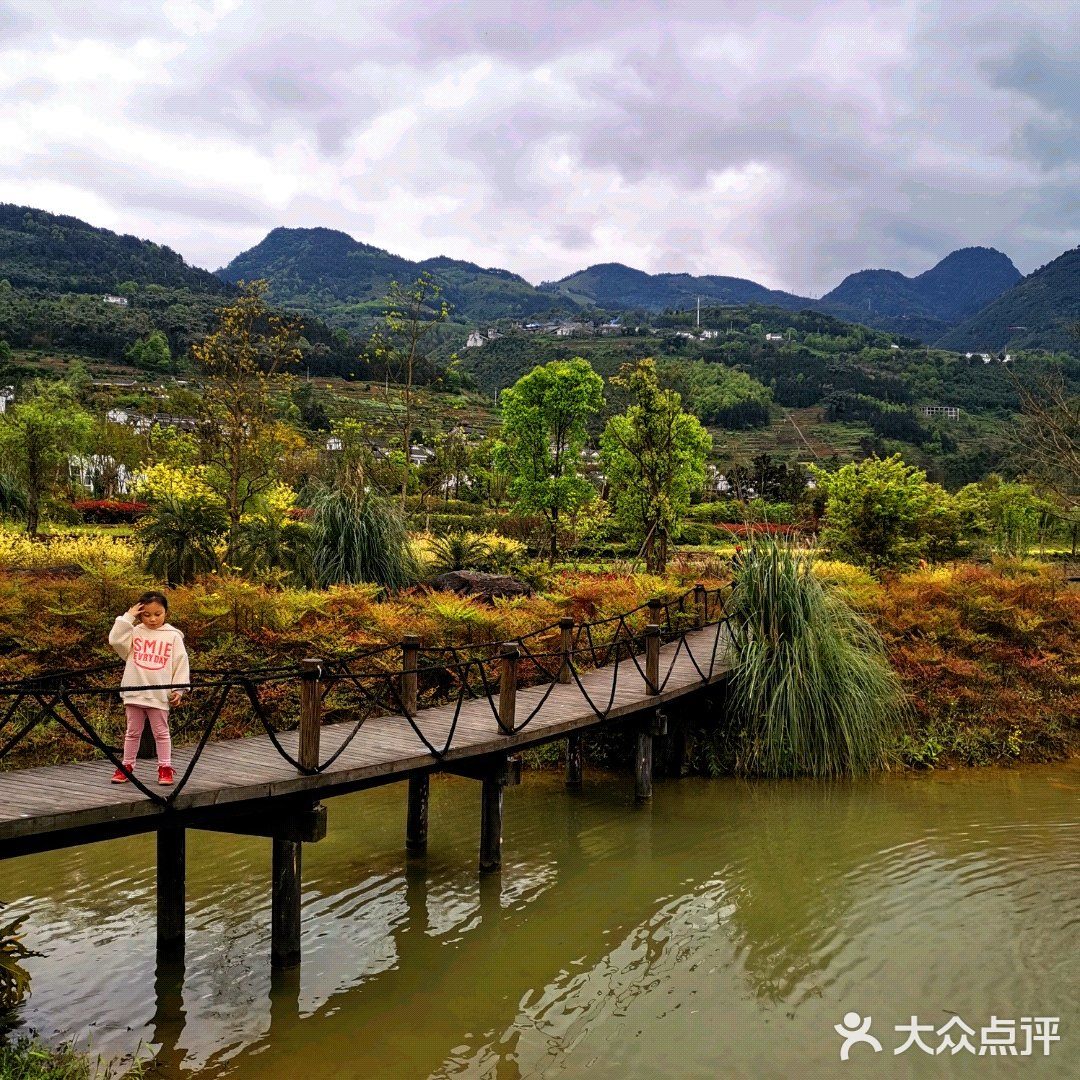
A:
189	484
90	553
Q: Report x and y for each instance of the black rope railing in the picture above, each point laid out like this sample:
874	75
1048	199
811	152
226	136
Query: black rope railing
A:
427	687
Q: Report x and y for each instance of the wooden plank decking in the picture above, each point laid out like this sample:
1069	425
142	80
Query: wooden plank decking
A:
244	771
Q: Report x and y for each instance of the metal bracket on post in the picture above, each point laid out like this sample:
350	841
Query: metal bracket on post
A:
310	714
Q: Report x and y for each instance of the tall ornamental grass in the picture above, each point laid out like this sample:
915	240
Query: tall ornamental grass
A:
359	537
813	690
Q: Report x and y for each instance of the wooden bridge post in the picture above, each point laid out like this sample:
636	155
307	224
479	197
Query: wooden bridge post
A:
652	658
492	783
171	890
285	904
566	647
310	713
701	605
573	742
655	607
643	759
416	826
508	670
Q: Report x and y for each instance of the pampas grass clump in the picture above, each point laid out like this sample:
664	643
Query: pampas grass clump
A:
813	691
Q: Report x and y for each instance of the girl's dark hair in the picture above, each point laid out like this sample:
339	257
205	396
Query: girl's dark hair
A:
155	596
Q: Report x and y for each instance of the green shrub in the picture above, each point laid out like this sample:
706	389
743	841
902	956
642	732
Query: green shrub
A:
813	691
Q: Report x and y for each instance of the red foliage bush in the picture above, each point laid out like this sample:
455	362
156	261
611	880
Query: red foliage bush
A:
109	511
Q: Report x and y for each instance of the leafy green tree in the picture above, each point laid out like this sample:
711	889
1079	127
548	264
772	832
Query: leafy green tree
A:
5	351
37	435
545	418
654	455
150	353
1008	515
243	363
877	512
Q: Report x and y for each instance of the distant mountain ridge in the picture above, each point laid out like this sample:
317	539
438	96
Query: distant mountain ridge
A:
973	299
343	280
963	283
613	286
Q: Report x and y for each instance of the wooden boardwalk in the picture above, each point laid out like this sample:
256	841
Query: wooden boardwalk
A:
62	805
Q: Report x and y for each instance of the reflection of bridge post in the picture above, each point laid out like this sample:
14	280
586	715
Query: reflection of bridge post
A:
168	1020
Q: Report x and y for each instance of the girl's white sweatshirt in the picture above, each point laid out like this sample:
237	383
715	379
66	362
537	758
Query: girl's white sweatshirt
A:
154	658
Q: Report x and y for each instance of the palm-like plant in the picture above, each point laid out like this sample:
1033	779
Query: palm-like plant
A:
268	543
358	536
813	690
458	551
180	536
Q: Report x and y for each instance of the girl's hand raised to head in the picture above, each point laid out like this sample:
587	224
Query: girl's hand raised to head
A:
134	611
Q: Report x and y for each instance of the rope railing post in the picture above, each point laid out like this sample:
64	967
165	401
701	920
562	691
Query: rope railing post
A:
701	606
307	756
410	656
652	658
566	647
508	672
655	607
416	824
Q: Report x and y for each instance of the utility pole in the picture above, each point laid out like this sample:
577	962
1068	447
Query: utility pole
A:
698	324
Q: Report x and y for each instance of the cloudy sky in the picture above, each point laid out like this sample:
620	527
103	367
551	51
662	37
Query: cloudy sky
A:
791	142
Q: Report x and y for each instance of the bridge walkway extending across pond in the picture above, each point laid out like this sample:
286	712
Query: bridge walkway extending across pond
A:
273	784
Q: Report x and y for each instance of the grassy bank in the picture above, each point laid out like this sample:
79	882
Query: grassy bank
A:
29	1059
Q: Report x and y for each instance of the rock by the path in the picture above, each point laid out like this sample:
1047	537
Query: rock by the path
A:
485	586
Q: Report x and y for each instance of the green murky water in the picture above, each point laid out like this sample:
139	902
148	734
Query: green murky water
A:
720	932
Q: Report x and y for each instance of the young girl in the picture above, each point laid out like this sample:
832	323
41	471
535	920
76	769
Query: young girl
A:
155	655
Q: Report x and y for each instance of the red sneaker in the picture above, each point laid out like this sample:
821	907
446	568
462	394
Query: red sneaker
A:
165	774
121	777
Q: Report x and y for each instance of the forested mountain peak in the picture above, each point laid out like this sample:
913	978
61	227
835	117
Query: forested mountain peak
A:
1037	312
54	252
962	283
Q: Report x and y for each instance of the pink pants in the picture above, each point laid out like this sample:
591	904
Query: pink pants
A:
137	715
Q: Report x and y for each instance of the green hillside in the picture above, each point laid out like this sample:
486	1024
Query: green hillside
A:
1037	313
55	275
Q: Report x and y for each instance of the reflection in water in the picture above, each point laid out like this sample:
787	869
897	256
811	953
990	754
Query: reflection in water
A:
721	931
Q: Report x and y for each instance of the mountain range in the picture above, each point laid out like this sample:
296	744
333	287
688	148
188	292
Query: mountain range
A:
973	299
341	279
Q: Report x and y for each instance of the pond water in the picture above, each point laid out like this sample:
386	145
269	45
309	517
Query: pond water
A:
719	932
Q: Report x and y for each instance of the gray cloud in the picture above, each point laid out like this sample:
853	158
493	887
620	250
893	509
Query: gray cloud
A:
793	144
